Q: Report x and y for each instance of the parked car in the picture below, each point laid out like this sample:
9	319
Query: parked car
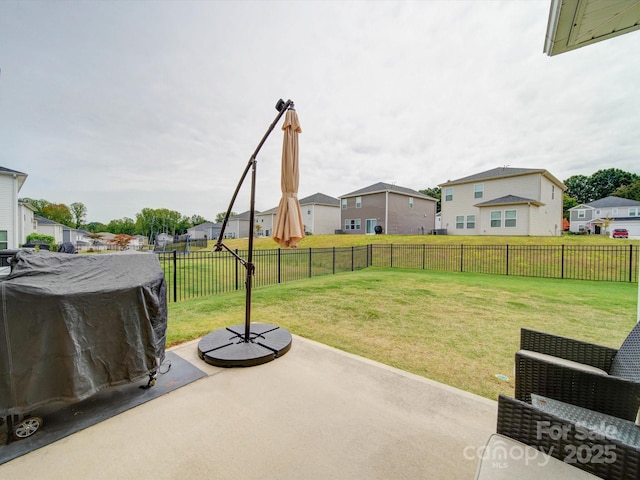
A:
620	233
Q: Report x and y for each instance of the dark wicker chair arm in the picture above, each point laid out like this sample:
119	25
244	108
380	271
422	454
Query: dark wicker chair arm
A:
604	457
575	350
602	393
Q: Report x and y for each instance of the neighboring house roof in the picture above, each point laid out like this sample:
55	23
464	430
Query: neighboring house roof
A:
509	200
503	172
383	187
205	225
320	199
242	216
271	211
21	176
609	202
26	205
46	221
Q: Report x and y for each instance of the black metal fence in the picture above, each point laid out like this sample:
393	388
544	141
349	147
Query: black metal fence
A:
197	274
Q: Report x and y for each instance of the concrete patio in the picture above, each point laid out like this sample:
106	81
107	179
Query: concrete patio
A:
315	413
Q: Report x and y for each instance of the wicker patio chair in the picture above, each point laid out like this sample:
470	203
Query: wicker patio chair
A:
588	450
592	376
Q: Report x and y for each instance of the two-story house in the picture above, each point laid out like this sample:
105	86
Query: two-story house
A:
11	182
208	230
603	215
397	210
320	215
503	201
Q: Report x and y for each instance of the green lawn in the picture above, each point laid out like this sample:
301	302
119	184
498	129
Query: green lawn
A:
348	240
457	328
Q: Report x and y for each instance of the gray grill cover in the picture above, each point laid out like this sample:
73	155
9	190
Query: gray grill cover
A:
71	325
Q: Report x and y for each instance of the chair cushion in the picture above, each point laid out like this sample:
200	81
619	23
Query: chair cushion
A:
562	361
506	459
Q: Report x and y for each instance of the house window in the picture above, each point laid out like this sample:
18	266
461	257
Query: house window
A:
471	221
496	219
634	212
3	240
410	202
581	213
459	221
598	211
344	203
478	190
510	218
614	211
358	202
352	224
553	192
309	212
448	194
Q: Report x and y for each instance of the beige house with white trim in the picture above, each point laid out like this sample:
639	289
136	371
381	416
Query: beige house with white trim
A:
503	201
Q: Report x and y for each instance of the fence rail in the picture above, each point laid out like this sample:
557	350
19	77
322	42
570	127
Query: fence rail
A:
196	274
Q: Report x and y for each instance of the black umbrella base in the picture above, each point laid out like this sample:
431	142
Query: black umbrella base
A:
227	347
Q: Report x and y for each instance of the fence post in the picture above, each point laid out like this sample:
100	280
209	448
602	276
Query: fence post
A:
175	276
333	262
279	264
391	255
507	259
562	263
310	268
236	264
631	264
424	254
461	257
352	260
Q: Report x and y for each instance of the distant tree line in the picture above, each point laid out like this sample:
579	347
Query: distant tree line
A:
149	222
584	189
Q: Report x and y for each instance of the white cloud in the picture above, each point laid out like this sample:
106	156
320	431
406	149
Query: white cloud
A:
127	105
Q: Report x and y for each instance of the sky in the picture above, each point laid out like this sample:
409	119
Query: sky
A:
126	105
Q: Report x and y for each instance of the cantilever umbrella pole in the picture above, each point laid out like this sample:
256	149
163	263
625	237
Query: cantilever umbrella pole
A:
234	346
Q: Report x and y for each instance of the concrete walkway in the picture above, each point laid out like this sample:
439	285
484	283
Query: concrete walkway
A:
315	413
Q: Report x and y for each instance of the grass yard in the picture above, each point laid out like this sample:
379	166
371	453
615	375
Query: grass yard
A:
460	329
348	240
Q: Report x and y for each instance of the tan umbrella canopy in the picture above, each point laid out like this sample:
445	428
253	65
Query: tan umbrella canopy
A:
289	228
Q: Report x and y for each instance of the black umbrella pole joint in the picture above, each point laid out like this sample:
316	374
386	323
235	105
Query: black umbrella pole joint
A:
254	344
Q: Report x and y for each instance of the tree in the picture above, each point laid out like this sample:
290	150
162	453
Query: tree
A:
605	182
122	240
95	227
578	187
632	192
38	205
124	225
95	237
79	212
435	193
197	220
220	216
567	203
58	212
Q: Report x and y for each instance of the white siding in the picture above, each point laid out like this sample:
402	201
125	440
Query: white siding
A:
9	209
323	219
532	220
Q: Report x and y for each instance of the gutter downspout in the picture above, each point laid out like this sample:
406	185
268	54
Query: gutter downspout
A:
386	211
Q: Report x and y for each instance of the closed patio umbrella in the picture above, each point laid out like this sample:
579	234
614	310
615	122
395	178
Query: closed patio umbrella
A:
289	228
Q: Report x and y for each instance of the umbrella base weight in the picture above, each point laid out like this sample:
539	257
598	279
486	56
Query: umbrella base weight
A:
227	347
